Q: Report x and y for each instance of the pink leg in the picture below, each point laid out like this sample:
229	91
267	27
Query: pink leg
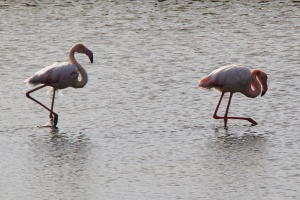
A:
217	108
226	113
227	109
52	105
50	110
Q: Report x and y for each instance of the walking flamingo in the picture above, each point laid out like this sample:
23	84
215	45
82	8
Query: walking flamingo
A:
235	78
60	76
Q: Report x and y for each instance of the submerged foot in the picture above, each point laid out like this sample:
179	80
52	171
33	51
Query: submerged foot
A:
55	120
52	122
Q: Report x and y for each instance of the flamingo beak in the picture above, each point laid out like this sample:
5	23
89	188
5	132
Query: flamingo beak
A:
89	54
264	89
91	58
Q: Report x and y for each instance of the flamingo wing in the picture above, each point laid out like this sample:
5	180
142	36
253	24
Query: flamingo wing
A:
58	75
230	78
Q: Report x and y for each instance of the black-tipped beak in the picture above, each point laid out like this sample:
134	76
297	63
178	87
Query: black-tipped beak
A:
89	54
264	89
91	58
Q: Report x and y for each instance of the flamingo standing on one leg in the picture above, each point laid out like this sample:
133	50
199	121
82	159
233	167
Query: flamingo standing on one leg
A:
60	76
235	78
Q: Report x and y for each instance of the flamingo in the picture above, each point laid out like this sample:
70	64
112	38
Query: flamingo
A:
59	76
235	78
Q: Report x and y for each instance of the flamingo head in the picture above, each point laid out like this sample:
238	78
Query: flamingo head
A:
80	48
262	77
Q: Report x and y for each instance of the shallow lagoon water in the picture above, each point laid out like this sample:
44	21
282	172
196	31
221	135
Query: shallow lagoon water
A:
141	129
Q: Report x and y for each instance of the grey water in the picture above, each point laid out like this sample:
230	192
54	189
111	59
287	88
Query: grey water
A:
141	128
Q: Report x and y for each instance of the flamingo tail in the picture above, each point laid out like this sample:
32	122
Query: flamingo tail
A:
205	83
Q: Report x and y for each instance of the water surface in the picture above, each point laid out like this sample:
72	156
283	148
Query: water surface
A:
141	129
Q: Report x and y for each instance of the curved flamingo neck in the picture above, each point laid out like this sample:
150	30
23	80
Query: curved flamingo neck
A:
84	77
255	90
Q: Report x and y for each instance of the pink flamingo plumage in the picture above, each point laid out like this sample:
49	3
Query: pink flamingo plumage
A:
60	76
235	78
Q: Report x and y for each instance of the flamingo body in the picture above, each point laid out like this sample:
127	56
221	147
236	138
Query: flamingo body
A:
231	78
235	78
60	76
